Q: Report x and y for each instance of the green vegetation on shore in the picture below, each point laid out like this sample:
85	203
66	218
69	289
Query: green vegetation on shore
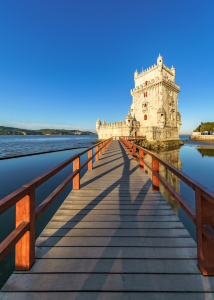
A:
208	126
17	131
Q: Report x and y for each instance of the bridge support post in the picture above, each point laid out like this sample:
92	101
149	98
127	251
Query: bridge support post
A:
205	246
130	149
25	247
97	155
134	153
90	163
155	180
76	180
141	155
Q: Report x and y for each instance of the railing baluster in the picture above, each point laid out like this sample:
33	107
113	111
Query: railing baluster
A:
101	150
130	148
205	248
25	247
155	180
97	155
76	180
134	153
141	164
90	163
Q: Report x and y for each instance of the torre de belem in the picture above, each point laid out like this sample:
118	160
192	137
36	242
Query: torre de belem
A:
154	111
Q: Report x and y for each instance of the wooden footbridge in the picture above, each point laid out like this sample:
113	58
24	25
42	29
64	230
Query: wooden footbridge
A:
114	236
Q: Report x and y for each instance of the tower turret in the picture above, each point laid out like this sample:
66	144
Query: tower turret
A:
160	62
173	71
98	123
129	119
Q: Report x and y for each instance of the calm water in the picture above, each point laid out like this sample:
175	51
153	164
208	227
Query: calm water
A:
13	145
199	164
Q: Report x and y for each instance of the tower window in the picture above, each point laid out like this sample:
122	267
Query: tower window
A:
145	105
145	117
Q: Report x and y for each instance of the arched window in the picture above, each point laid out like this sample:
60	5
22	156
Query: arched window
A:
145	117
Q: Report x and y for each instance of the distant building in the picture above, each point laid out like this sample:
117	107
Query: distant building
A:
154	111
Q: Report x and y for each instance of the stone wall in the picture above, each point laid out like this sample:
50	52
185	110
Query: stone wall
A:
202	138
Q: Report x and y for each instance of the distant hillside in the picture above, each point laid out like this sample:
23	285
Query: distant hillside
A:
17	131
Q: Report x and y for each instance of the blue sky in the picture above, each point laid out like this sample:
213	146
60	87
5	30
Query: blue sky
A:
65	63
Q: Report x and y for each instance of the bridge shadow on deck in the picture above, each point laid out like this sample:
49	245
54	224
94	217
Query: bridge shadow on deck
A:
118	253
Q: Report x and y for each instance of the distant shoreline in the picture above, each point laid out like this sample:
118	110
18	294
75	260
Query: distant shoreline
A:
18	131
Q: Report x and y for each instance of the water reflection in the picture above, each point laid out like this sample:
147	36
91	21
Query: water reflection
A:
206	152
172	157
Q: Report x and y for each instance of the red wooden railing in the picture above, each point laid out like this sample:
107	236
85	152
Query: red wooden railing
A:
23	236
129	137
203	216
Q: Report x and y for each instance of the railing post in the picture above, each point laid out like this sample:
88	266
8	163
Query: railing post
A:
76	180
25	248
130	148
155	181
97	155
101	150
141	155
90	163
134	153
205	248
127	146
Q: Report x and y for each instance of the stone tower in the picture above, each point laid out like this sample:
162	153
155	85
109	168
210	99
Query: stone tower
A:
154	111
155	102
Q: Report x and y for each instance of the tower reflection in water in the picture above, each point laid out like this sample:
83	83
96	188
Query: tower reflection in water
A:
172	157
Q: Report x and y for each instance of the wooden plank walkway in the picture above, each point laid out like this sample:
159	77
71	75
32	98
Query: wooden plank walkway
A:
113	239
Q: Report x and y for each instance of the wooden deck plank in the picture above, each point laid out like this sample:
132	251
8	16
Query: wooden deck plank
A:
115	238
116	252
113	218
113	206
109	282
51	241
117	232
133	212
120	266
107	296
126	225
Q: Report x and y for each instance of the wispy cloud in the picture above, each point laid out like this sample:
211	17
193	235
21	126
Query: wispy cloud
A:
49	126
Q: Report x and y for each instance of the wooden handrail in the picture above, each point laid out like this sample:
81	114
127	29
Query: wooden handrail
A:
9	243
204	198
23	236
